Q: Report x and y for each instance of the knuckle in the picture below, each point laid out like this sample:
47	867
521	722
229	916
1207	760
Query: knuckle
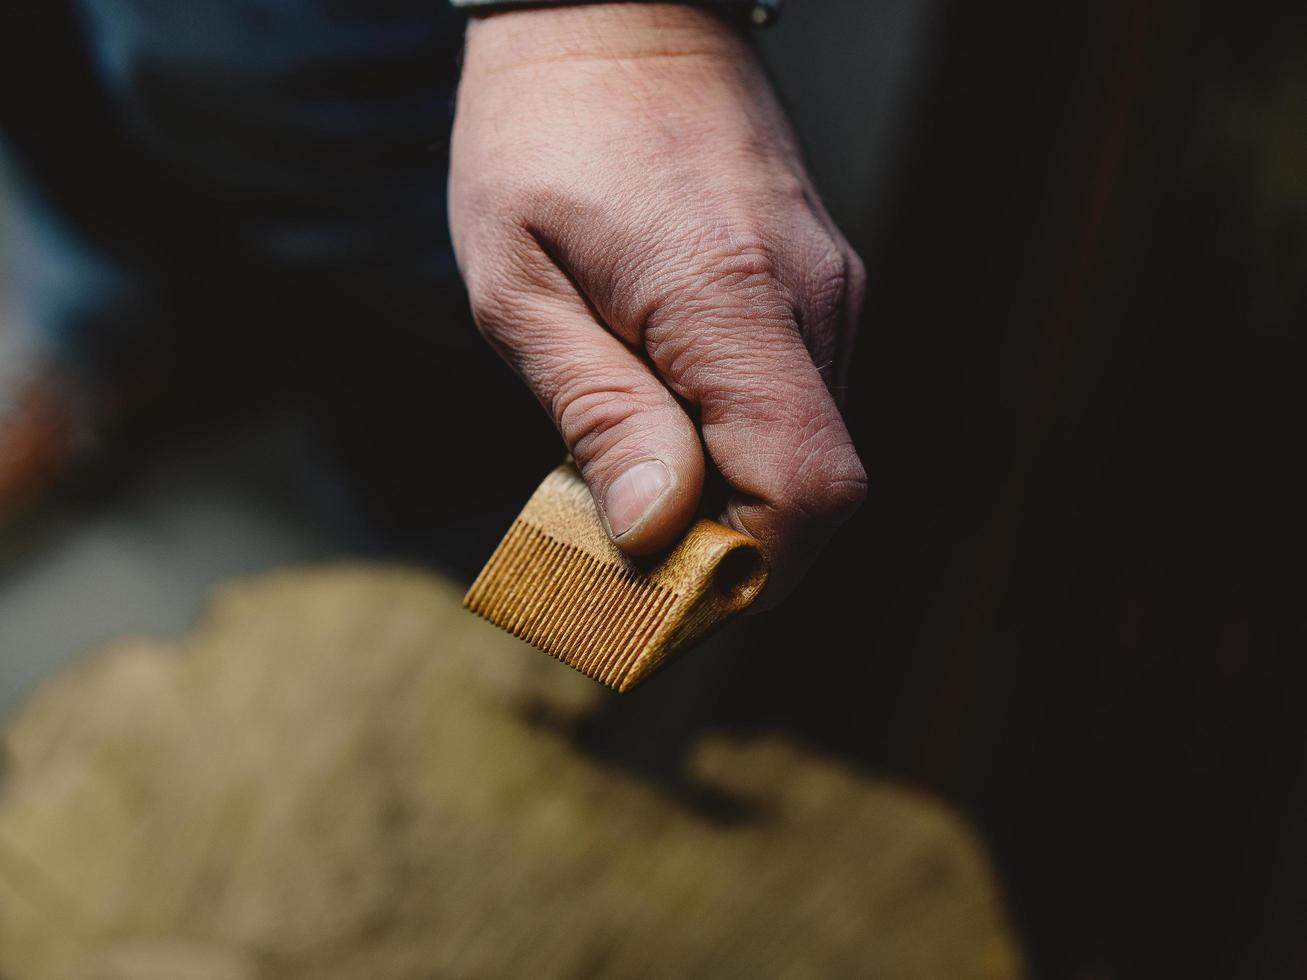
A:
488	279
735	263
739	260
826	296
857	274
830	280
488	313
506	286
722	313
719	263
841	497
722	362
500	329
856	289
830	483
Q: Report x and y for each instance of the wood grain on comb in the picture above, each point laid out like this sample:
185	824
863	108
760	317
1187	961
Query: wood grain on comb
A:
558	582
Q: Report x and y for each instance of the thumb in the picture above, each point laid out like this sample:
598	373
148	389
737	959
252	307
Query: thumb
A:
637	450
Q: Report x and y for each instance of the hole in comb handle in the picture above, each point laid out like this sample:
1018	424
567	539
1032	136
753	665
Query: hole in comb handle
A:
740	576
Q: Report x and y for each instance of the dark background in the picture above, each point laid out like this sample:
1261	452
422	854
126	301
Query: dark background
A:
1073	602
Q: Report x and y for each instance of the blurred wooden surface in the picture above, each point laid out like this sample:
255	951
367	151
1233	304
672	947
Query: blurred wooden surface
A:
340	773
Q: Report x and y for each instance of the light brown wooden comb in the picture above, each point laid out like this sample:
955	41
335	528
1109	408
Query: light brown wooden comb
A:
558	582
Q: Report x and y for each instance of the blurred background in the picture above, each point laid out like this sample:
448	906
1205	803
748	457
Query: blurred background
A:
1064	636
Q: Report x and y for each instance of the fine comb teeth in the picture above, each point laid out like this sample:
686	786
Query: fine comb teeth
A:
558	582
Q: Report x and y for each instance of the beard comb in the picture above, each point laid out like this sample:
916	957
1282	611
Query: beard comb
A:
558	582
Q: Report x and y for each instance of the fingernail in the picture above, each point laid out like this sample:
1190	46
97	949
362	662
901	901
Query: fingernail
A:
633	494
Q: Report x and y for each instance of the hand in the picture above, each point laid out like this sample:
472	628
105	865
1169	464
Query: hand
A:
641	243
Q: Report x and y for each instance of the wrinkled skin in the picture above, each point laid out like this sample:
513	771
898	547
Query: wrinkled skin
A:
641	243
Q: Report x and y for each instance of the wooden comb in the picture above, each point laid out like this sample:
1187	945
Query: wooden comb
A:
558	582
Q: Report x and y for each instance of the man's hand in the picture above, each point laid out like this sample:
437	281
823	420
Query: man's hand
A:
641	243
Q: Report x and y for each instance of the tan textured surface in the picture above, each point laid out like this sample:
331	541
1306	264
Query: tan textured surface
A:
558	582
333	777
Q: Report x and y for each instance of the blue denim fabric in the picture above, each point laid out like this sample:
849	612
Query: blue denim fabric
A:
175	158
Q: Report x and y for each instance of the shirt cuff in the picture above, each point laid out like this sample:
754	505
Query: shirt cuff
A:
759	12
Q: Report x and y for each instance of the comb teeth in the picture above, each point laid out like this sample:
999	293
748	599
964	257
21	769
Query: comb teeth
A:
593	615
